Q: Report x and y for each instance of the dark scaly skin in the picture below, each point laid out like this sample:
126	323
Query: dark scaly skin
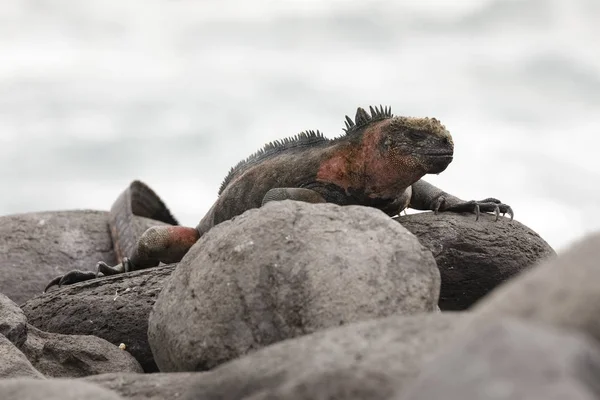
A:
378	163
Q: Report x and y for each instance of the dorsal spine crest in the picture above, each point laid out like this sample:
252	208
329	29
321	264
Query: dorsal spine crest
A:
305	138
363	118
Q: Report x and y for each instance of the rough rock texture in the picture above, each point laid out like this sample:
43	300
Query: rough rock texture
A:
53	389
369	360
512	359
475	256
13	363
157	386
284	270
13	323
563	291
66	356
37	247
114	308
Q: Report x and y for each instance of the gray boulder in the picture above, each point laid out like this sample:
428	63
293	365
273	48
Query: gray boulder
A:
53	389
65	356
563	291
363	360
475	256
114	308
284	270
13	363
512	359
156	386
13	323
37	247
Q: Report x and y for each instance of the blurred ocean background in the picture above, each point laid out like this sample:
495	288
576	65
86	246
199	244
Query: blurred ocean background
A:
94	94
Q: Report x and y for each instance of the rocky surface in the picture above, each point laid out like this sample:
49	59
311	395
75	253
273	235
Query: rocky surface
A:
475	256
259	301
375	357
114	308
53	389
284	270
156	386
512	359
57	355
563	292
37	247
13	323
13	363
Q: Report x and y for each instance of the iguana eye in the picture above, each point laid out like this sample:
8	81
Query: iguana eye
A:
416	135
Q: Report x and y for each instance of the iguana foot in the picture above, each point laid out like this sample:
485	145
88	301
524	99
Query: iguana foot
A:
71	277
102	269
106	270
486	205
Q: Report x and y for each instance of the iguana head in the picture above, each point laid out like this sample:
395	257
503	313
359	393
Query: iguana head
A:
381	155
417	143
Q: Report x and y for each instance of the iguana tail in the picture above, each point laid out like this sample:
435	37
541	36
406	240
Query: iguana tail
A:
138	199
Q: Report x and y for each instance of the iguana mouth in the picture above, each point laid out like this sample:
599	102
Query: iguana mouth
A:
438	161
439	154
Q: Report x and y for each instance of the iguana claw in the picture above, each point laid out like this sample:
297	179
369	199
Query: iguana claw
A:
70	278
102	269
439	202
477	212
486	205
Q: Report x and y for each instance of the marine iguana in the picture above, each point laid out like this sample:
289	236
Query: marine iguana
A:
378	162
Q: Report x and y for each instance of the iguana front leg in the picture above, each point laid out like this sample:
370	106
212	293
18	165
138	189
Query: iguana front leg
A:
166	244
425	196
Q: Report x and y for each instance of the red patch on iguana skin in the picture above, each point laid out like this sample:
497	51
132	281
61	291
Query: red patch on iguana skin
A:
336	168
182	236
165	243
362	166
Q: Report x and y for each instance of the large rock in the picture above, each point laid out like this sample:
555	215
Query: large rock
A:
53	389
13	363
284	270
157	386
475	256
512	359
563	291
65	356
13	323
114	308
364	360
37	247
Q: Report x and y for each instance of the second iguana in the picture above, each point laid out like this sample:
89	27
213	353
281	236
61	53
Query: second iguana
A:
378	162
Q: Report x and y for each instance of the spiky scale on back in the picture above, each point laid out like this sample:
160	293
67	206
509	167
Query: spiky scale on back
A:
306	138
362	118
